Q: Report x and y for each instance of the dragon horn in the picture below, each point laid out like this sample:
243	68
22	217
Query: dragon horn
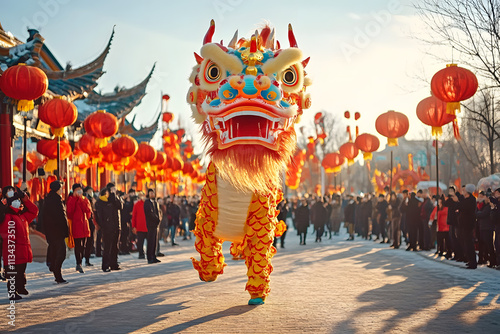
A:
305	62
232	43
264	34
270	41
291	37
253	44
198	58
210	33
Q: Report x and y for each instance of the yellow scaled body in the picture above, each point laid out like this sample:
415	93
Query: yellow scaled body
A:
256	246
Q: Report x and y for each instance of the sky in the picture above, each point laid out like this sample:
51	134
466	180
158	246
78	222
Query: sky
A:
365	55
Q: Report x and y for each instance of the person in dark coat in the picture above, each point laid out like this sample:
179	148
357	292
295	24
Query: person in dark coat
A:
153	218
467	222
495	218
108	209
302	217
349	216
413	219
424	232
173	213
382	217
336	216
281	216
319	217
126	221
486	228
452	220
56	229
18	213
394	204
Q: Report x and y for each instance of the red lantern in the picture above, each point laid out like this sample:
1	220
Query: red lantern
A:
109	156
58	113
318	117
125	146
392	125
180	133
367	143
160	159
350	151
347	114
146	153
29	164
24	83
452	85
89	145
177	164
187	169
49	148
357	115
101	125
332	162
432	111
167	117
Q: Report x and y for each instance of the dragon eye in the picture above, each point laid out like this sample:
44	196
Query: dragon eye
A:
212	73
289	76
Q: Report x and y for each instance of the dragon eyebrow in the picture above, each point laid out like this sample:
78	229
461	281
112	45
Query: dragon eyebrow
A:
286	58
213	52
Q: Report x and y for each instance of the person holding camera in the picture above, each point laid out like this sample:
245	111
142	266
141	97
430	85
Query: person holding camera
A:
19	212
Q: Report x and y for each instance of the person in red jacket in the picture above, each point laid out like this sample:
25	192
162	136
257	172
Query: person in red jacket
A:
139	226
443	236
79	211
14	230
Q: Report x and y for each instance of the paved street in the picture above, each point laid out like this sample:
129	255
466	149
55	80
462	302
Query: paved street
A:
332	287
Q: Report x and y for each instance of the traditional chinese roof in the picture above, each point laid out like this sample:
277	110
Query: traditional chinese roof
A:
119	103
143	134
74	83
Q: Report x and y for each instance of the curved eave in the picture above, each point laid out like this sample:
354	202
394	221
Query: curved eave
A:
139	89
76	82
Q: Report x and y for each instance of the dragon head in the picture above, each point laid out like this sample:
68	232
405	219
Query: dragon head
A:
247	96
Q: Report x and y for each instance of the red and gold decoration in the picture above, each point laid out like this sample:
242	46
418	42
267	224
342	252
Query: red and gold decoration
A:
145	153
432	111
125	146
101	125
24	83
332	162
89	145
247	115
58	113
367	143
48	148
452	85
392	125
350	151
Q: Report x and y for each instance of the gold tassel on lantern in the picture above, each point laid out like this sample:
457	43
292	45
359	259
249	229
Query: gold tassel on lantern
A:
101	142
58	132
437	131
452	107
367	155
51	165
25	105
392	141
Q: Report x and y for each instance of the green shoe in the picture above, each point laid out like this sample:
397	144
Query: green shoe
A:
256	301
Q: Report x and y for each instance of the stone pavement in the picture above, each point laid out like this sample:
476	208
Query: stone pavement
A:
335	286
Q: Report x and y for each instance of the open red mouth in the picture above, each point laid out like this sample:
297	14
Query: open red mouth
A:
248	127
